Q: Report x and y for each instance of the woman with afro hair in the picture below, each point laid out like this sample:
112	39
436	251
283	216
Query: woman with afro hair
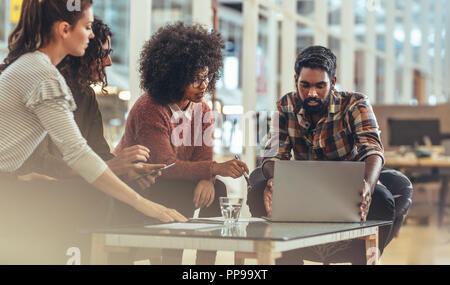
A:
178	66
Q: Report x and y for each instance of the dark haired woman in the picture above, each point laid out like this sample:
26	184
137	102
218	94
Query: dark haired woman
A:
36	101
178	66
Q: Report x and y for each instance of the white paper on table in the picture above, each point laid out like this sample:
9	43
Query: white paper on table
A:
221	219
183	226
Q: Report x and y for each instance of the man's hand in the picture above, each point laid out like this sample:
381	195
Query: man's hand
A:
268	193
366	198
145	174
128	159
204	194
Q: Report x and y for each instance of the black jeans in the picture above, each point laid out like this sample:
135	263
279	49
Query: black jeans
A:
41	220
178	195
402	190
383	207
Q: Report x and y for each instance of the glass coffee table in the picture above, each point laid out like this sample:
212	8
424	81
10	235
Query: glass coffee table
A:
253	238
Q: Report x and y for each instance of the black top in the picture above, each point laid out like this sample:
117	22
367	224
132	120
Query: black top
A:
47	159
89	120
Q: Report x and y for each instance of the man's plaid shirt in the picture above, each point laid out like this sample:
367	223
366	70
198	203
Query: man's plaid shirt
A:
349	131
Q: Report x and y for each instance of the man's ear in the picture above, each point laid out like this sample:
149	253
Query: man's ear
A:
63	29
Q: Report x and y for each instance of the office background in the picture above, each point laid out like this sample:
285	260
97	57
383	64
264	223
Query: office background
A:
395	52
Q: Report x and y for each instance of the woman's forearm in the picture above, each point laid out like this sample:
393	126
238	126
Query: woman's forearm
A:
110	184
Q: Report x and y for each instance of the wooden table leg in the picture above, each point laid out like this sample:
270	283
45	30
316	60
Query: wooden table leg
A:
99	254
265	254
372	250
239	257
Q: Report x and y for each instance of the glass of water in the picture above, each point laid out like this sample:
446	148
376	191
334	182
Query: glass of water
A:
231	209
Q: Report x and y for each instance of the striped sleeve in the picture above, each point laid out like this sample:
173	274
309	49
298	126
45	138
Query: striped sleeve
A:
54	112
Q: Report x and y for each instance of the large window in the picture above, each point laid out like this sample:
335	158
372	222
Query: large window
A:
116	14
170	11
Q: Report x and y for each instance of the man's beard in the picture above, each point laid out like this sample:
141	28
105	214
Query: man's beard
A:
319	109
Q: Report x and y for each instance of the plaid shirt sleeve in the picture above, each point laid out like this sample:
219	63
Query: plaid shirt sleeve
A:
279	146
364	126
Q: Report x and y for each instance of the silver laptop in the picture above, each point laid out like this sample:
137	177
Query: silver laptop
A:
317	191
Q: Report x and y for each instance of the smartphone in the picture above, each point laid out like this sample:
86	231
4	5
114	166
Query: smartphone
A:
162	168
154	171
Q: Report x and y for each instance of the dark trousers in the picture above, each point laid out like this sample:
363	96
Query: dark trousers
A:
179	195
402	190
383	207
42	220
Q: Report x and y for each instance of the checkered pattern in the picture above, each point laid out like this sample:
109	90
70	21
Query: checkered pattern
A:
349	132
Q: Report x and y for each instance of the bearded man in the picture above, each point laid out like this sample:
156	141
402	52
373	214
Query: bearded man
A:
317	122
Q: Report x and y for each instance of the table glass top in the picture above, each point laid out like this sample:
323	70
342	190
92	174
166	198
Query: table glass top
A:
259	230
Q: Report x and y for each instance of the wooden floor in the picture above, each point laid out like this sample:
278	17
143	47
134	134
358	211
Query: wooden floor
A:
419	245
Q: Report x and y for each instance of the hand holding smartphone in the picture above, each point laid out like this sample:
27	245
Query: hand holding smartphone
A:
154	172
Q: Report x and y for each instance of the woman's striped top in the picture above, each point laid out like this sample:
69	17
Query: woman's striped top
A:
35	101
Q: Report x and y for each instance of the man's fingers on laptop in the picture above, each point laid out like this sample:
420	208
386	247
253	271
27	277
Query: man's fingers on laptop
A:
268	210
363	216
270	184
268	200
363	211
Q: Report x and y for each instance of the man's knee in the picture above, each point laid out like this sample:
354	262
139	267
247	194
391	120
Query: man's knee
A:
383	204
255	199
401	187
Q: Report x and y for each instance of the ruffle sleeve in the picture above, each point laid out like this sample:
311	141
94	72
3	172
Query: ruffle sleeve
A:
48	90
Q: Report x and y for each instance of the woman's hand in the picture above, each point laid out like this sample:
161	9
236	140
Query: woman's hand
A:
35	177
159	212
204	194
146	175
233	168
128	159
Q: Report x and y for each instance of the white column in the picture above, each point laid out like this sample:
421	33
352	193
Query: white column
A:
424	28
272	61
347	60
6	21
288	47
437	73
321	15
408	74
370	65
140	27
390	62
250	43
202	12
447	53
424	58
